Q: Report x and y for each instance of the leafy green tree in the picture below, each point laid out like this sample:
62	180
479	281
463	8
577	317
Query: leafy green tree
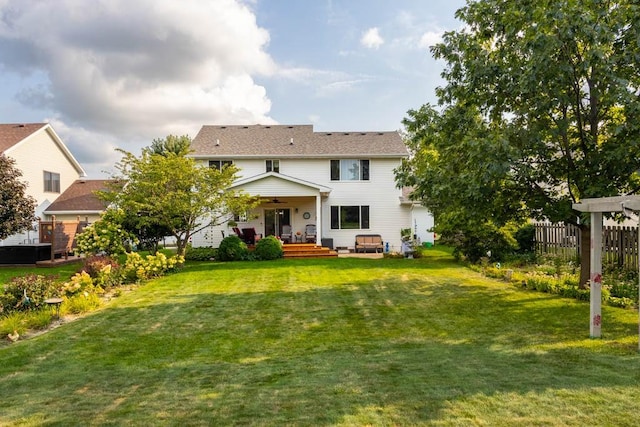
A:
540	110
178	145
17	209
172	192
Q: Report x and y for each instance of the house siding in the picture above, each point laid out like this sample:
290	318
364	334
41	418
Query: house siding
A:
34	155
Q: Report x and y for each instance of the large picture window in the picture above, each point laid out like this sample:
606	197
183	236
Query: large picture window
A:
349	217
51	182
219	164
350	170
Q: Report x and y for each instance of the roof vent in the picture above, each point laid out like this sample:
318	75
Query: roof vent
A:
290	127
217	142
291	141
245	127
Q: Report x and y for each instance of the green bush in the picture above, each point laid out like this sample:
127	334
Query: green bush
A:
232	249
525	236
37	289
269	248
200	254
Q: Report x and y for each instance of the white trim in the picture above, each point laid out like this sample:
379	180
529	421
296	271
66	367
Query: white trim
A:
321	188
47	128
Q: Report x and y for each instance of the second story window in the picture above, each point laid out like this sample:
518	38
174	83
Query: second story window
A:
350	170
219	164
273	166
51	182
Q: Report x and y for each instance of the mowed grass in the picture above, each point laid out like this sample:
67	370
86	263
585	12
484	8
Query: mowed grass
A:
328	342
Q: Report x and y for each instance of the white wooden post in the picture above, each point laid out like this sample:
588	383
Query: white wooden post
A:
318	220
595	310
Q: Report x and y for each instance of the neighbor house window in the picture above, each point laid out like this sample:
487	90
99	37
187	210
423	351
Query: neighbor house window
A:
349	217
51	182
273	166
350	170
219	164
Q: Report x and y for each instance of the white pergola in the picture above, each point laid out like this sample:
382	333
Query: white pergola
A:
596	207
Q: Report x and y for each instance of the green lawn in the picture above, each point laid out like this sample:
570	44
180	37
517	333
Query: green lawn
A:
328	342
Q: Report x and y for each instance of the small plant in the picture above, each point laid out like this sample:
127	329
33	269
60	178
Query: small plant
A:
200	254
269	248
81	303
26	293
232	249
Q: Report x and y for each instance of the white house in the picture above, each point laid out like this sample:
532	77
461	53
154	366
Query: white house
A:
47	166
341	182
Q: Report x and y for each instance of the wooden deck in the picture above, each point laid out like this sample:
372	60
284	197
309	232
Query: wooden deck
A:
307	250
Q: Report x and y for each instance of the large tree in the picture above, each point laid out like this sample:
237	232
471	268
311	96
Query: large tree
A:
17	209
173	192
555	89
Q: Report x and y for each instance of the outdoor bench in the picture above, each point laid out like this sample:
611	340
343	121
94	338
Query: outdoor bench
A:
367	242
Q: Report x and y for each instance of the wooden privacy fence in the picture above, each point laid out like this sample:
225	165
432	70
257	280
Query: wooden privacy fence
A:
619	244
61	235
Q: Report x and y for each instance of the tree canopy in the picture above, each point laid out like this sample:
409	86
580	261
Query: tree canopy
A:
17	209
172	192
540	109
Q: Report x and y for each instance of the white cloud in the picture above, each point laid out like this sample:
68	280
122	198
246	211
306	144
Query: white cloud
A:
371	38
138	69
429	39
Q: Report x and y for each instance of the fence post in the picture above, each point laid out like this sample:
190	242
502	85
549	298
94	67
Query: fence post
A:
53	238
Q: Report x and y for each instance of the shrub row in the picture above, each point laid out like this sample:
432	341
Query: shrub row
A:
97	275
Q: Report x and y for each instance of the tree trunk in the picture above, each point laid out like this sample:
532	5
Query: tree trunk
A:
585	256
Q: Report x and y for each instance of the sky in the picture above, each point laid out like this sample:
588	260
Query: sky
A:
111	74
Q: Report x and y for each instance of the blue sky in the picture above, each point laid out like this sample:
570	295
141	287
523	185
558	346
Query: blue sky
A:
117	74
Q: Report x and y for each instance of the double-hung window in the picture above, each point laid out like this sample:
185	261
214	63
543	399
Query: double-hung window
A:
350	217
273	166
219	164
51	182
350	170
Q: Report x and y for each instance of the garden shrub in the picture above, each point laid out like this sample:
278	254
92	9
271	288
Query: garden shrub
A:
141	268
232	248
525	236
104	236
80	283
200	254
37	288
81	303
269	248
104	270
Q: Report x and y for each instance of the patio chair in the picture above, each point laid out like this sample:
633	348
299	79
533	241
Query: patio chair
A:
286	233
238	232
310	233
249	235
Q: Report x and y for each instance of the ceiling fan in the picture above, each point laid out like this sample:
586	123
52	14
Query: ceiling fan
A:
275	200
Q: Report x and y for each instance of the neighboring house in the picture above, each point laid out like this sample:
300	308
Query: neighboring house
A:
47	166
341	182
79	200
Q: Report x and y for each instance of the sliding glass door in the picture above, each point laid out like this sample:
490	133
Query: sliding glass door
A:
274	219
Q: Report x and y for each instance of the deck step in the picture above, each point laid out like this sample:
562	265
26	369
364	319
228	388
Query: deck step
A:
307	250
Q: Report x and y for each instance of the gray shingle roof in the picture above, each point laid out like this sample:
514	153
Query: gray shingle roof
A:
80	196
293	141
12	133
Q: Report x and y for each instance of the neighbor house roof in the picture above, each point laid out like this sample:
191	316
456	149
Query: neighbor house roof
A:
12	133
293	141
80	197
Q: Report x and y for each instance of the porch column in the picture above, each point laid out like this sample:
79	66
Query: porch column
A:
595	310
318	220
